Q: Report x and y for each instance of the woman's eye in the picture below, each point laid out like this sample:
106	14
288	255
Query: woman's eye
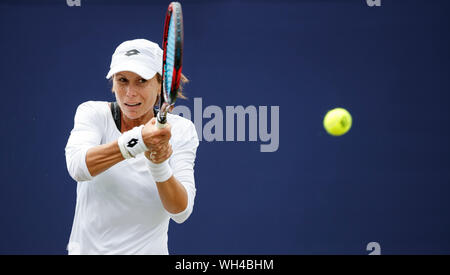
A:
122	79
142	80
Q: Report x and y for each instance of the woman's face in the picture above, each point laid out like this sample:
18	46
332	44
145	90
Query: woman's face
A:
135	95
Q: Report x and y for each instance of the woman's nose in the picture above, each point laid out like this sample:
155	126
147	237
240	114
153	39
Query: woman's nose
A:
131	91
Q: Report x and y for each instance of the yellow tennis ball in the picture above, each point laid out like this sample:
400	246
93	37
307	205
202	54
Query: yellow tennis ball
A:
337	121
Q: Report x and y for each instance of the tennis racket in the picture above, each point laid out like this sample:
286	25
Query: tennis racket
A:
172	61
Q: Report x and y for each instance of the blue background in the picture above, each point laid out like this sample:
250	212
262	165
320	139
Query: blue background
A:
387	180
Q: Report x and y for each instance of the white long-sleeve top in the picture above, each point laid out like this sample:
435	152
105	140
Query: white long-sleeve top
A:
119	211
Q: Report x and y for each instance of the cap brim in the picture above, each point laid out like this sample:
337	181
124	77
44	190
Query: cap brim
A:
134	67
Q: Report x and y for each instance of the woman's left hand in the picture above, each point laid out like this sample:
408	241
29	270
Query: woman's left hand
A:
157	141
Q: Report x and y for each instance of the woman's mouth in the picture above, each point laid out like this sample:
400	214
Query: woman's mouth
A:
133	104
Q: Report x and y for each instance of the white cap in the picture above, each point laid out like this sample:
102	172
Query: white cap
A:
139	56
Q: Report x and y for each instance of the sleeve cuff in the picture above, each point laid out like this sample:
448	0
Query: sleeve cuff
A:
183	215
86	174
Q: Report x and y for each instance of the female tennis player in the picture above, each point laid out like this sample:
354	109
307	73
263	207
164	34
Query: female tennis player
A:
127	192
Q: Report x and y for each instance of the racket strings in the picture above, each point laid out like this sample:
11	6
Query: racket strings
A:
170	57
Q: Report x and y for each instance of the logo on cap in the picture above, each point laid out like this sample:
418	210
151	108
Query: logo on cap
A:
132	52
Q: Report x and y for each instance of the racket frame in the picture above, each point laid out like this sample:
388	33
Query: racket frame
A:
169	94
